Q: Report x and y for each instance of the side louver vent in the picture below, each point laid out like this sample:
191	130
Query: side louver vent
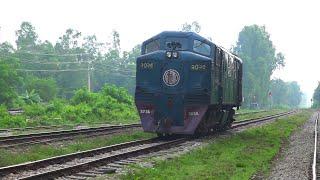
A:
145	97
197	99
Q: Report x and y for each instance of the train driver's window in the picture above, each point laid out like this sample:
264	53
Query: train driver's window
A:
218	57
201	47
225	61
152	46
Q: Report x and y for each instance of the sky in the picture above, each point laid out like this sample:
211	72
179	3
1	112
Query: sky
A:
294	26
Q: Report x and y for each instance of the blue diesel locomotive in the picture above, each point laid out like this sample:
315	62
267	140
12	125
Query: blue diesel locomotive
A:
185	84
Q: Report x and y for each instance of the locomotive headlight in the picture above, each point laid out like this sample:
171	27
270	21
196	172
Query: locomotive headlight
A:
175	54
169	54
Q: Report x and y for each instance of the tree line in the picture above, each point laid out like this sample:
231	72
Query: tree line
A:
37	70
316	97
45	70
260	60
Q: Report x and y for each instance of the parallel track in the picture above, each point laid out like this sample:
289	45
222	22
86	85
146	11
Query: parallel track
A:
253	112
259	119
45	137
99	158
316	153
65	126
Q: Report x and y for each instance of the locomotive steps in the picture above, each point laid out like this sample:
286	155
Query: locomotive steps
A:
107	159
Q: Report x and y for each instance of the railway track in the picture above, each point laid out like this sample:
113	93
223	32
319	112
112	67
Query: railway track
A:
253	112
260	119
68	126
316	153
46	137
65	126
91	163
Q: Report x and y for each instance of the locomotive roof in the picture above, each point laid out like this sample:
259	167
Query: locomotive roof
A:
166	34
182	34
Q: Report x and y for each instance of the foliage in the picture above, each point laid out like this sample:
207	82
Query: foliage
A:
111	105
9	80
74	55
46	88
316	97
259	61
31	97
7	120
236	157
284	93
193	27
27	37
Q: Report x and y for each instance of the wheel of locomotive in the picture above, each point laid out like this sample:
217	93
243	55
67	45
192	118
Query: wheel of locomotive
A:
163	135
227	125
231	118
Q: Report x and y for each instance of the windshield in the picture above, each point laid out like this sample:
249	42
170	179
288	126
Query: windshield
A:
201	47
176	44
152	46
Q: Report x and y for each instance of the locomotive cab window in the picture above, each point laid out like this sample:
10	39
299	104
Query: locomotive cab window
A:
201	47
176	43
152	46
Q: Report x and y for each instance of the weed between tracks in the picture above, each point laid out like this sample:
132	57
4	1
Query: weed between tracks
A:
236	157
37	152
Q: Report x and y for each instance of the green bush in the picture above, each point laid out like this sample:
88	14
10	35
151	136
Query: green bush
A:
8	121
46	88
120	94
35	110
83	96
110	105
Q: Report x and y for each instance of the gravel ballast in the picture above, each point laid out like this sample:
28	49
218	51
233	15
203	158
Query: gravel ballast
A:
295	159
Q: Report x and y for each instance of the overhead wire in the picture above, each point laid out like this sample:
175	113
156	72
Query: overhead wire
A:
51	70
51	54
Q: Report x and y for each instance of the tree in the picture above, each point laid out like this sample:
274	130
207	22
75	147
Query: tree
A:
69	42
294	94
69	49
278	89
27	37
31	97
46	88
316	97
285	93
9	80
259	62
116	68
6	49
193	27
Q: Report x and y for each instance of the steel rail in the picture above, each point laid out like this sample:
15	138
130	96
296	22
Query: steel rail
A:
98	162
260	119
93	163
49	127
63	158
34	138
254	112
314	163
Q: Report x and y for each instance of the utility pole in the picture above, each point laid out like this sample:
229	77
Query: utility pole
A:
89	76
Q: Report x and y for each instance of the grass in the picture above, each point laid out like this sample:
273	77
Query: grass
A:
37	152
236	157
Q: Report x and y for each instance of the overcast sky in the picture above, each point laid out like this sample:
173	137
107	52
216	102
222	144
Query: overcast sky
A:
294	25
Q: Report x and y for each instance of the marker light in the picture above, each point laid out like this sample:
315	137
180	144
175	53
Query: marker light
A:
169	54
175	54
